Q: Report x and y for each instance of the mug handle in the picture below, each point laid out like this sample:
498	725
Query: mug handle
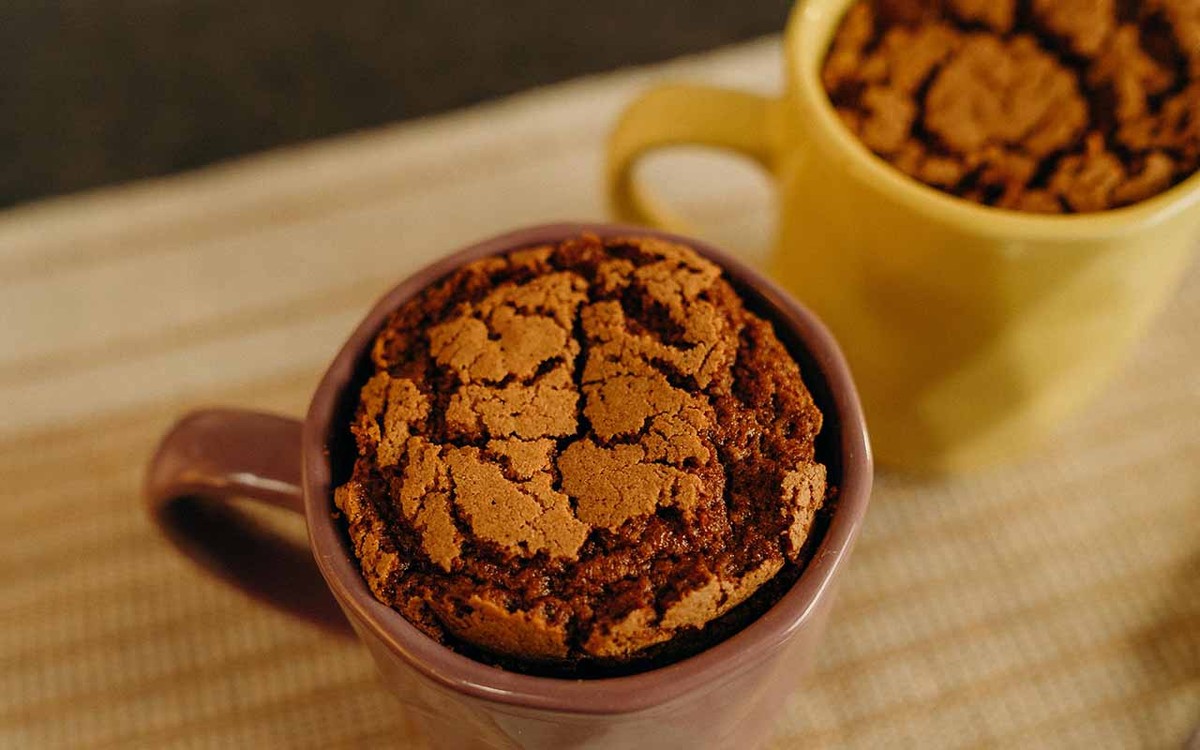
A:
681	114
213	456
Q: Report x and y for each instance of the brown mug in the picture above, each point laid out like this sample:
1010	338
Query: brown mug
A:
725	696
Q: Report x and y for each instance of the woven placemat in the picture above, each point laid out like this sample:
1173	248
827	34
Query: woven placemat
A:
1051	603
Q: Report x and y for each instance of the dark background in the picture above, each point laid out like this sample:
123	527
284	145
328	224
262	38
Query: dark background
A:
101	91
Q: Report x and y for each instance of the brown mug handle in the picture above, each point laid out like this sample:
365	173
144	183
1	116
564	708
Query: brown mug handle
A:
213	456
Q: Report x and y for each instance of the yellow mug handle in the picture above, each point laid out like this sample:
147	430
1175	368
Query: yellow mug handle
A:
676	115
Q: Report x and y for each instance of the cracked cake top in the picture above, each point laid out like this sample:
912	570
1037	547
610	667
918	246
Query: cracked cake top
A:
1046	106
578	453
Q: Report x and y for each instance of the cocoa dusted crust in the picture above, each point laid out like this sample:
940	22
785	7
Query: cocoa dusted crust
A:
583	454
1046	106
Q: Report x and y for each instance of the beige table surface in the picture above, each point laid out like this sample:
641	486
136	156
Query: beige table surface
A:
1055	603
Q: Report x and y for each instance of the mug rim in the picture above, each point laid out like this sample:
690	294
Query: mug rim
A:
809	32
607	695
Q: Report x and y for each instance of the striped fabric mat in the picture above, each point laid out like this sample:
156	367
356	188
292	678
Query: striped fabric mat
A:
1054	603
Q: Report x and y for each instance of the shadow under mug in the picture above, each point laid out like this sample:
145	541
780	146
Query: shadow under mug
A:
973	331
725	696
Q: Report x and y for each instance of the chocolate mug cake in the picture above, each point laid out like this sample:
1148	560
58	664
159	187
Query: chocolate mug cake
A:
1047	106
582	457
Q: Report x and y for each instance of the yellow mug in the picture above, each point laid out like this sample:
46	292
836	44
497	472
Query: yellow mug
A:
972	331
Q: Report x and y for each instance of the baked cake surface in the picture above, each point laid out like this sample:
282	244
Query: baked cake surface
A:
1046	106
576	452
